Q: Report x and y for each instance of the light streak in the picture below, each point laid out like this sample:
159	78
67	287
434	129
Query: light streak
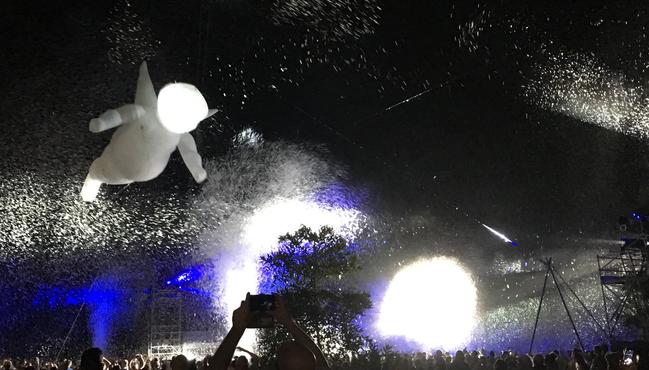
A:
500	235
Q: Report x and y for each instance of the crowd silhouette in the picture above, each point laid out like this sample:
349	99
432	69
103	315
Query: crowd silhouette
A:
301	353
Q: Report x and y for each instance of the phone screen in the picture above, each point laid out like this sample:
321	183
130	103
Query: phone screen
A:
260	305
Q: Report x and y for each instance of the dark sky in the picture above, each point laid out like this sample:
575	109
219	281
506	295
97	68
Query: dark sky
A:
474	145
472	141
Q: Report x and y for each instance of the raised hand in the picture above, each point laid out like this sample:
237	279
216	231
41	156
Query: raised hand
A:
241	316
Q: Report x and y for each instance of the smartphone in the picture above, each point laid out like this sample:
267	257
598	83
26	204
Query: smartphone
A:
262	303
260	307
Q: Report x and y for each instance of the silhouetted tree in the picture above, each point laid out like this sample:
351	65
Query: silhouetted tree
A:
310	269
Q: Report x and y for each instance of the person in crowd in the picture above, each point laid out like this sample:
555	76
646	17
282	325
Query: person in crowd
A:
419	360
538	362
483	363
459	362
106	364
510	359
492	359
91	359
66	364
562	360
500	364
254	359
524	362
578	360
598	361
239	363
138	363
550	361
613	361
179	362
301	353
471	359
403	363
439	362
629	362
293	354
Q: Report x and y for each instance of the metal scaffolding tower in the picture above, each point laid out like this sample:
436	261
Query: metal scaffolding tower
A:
623	278
165	335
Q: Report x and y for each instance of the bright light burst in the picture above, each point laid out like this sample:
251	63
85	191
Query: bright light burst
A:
433	302
262	230
259	192
281	216
260	236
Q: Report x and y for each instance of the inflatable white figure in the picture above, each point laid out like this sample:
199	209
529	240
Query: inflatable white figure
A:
151	129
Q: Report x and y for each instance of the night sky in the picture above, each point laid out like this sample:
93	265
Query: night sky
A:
494	131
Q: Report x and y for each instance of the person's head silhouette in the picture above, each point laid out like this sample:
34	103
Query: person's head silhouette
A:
294	356
91	359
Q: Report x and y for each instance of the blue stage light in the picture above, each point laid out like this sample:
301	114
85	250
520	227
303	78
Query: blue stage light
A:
189	275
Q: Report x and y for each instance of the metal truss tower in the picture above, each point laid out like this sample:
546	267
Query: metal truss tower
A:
165	335
623	275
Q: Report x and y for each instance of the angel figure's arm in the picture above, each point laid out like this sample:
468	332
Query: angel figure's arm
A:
115	117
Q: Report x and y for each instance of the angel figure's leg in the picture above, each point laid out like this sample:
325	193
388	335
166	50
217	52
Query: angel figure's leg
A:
91	186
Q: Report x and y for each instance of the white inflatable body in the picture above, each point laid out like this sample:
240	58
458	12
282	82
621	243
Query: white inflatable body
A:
149	131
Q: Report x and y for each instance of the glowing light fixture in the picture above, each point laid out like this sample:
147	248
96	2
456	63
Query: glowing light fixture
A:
432	302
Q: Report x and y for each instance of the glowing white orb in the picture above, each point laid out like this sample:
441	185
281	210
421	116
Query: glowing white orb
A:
432	302
181	107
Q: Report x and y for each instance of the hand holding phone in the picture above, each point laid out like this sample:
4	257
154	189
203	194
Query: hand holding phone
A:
241	316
